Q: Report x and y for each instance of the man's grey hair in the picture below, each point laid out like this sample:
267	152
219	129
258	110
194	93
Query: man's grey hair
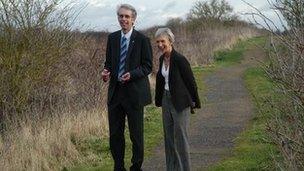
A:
165	32
128	7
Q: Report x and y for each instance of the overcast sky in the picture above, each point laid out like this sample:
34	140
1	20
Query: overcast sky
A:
100	15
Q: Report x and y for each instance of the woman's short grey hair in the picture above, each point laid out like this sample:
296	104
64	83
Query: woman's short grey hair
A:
128	7
165	32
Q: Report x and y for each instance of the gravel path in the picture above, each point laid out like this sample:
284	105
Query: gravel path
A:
222	118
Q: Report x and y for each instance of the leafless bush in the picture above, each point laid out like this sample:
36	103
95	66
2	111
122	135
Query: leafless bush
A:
212	9
85	87
44	64
51	93
210	26
34	37
199	39
286	69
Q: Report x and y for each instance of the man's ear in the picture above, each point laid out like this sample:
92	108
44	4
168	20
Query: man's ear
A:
133	21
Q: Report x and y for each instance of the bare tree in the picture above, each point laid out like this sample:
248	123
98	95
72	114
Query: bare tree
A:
34	37
286	69
214	9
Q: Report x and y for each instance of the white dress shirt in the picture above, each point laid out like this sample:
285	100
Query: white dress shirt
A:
165	73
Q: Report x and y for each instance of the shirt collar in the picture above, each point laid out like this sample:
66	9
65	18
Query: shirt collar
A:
127	35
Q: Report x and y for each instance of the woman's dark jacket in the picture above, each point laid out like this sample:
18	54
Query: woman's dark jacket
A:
182	85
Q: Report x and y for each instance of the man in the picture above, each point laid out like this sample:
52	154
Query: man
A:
127	66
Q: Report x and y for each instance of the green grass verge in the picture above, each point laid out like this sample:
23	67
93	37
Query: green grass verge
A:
97	150
233	56
200	73
253	149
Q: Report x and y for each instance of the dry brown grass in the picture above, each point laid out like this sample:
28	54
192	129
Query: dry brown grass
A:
205	42
198	40
48	144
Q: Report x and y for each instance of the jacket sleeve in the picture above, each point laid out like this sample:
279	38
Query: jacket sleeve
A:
189	80
108	63
159	86
146	61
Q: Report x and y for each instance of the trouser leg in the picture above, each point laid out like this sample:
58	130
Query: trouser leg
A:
181	122
117	141
168	125
135	123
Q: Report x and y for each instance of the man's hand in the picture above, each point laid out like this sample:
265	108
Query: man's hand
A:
126	77
105	75
193	104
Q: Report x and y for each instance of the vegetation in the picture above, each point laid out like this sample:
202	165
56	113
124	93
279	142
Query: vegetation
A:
52	108
234	55
43	91
254	149
285	68
34	37
96	150
214	9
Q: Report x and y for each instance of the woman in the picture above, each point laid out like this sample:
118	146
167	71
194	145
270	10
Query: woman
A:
176	93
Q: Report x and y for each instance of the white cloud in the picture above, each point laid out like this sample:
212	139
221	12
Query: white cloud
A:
97	3
142	8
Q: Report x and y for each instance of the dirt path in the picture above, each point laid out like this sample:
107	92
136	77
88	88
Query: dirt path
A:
222	118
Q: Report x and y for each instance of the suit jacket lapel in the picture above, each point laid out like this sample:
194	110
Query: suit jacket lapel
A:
161	61
116	45
131	45
171	65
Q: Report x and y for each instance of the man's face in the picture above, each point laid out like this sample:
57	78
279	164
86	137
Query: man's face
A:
125	19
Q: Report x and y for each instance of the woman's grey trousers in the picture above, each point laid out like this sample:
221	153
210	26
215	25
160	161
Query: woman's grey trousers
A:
176	137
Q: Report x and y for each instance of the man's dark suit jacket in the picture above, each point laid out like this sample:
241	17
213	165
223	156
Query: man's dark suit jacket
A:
182	85
138	63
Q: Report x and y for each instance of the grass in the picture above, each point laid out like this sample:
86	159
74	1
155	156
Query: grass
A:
48	144
228	57
98	148
199	74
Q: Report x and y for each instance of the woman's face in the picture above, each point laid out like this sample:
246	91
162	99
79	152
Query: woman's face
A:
163	44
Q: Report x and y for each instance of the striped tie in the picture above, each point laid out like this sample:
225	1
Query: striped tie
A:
123	56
